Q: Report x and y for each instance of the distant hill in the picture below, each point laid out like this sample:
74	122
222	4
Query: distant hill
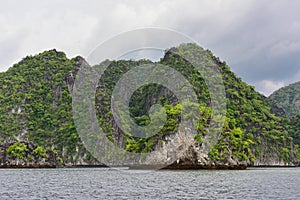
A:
36	106
286	102
288	99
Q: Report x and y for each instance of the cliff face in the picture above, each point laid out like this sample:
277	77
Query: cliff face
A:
38	110
189	155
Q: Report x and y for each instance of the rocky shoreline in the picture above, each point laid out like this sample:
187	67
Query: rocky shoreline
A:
27	155
147	167
26	166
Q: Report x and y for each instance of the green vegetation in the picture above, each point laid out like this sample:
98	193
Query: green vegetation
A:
288	99
26	154
36	100
36	104
249	121
293	127
40	152
17	150
198	138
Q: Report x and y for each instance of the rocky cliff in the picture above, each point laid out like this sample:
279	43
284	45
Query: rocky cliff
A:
36	106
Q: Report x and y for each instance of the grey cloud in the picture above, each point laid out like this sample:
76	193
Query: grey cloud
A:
250	45
259	39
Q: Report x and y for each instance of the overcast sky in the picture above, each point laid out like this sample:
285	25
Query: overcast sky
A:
260	40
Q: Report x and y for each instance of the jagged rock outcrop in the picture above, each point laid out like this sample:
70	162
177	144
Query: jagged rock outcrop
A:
189	155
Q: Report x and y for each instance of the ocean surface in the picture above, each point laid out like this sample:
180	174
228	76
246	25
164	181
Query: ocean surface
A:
107	183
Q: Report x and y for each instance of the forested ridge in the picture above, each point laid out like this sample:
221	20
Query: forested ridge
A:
36	106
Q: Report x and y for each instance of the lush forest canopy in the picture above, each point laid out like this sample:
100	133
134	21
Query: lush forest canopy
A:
288	99
36	106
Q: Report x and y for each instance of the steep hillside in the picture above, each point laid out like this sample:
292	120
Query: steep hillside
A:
252	134
36	106
293	126
286	102
35	99
288	99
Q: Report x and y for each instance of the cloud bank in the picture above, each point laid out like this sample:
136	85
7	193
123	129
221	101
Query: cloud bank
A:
260	40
